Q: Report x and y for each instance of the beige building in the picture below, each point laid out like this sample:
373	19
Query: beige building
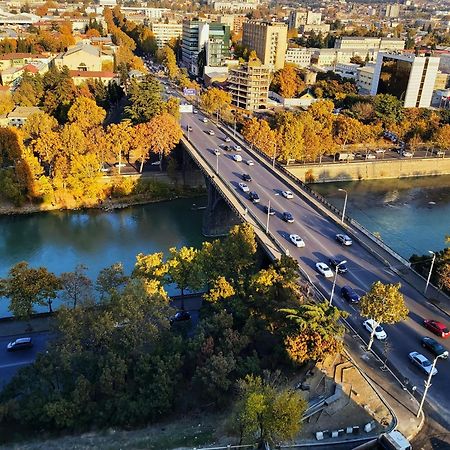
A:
80	57
300	56
441	81
81	76
364	79
164	32
249	86
369	43
18	116
269	40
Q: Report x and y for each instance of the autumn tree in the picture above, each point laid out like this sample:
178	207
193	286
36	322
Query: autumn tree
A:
6	103
287	82
119	137
215	100
290	143
86	114
384	303
441	137
259	133
110	280
166	56
76	286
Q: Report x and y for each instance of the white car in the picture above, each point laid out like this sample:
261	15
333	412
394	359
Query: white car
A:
227	139
420	361
370	156
324	270
344	239
237	148
211	132
407	154
195	111
297	240
205	120
250	162
216	151
120	164
237	158
287	194
243	187
370	324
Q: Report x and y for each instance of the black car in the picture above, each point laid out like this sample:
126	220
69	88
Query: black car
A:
334	263
349	294
227	148
180	316
246	177
288	217
434	347
20	344
271	212
254	197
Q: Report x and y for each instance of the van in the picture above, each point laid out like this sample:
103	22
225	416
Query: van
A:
345	156
20	344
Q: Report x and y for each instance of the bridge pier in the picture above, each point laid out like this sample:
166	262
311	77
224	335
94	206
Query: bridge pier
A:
218	217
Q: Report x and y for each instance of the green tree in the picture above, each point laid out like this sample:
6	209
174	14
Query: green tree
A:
110	280
388	108
384	303
144	100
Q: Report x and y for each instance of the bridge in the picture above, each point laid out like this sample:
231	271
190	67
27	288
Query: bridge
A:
368	259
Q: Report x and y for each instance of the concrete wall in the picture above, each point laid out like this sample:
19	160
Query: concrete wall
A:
370	170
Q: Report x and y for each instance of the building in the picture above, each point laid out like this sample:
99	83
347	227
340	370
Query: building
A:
81	76
234	6
164	32
298	18
80	57
369	43
392	11
441	82
8	60
409	78
300	56
249	86
316	28
348	70
19	115
365	78
269	40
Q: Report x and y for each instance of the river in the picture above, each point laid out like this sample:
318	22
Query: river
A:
61	240
412	215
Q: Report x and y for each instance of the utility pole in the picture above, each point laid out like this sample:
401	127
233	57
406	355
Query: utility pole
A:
334	281
345	204
431	270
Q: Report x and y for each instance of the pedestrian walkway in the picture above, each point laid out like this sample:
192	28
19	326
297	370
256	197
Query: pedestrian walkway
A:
37	324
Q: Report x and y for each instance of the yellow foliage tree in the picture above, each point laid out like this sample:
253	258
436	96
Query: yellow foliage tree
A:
86	114
215	100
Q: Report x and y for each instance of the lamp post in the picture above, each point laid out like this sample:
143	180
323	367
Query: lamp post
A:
345	204
431	270
268	215
217	163
428	383
234	126
334	281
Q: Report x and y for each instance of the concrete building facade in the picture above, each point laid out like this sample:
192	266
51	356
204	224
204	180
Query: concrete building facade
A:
369	43
300	56
164	32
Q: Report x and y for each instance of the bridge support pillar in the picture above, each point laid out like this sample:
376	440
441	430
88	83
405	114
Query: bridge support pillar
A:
218	217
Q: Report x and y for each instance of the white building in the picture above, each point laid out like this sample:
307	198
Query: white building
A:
369	43
301	56
365	78
164	32
410	78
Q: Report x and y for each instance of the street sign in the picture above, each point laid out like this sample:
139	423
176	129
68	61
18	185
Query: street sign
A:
189	91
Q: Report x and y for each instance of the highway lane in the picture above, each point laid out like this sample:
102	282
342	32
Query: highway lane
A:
319	233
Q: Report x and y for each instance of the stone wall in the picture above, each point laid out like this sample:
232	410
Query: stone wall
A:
370	170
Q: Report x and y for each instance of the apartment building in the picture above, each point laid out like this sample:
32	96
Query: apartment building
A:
369	43
300	56
392	11
298	18
164	32
269	40
364	79
409	78
249	86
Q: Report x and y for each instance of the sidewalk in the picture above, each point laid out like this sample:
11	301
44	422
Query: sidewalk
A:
13	327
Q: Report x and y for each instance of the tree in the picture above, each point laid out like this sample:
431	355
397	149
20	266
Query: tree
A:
441	137
266	411
119	137
110	280
6	103
86	114
287	81
76	286
166	56
384	303
290	137
259	133
388	108
215	100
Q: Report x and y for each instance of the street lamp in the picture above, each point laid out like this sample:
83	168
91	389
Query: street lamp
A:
234	126
217	163
273	158
428	382
268	215
345	204
431	270
334	281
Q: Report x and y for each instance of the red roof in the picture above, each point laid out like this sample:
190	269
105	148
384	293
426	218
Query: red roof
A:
30	68
91	74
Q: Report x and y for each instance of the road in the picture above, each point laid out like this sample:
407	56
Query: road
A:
319	232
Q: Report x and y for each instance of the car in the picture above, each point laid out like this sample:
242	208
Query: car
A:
237	148
349	294
438	328
216	151
254	197
117	164
270	211
237	158
422	362
250	162
288	217
370	156
20	344
287	194
180	316
105	168
434	347
227	139
195	111
211	132
246	177
342	268
297	240
324	270
407	154
371	325
227	148
205	120
344	239
243	187
189	128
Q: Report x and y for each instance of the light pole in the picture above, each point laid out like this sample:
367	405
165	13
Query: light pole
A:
345	204
217	163
428	383
268	215
334	281
431	270
234	126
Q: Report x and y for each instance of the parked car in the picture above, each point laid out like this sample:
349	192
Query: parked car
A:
211	132
243	187
297	240
349	294
250	162
237	158
105	168
246	177
254	197
422	362
370	156
407	154
227	139
434	347
342	268
180	316
344	239
287	194
437	328
270	211
121	164
216	151
20	344
370	325
324	270
288	217
205	120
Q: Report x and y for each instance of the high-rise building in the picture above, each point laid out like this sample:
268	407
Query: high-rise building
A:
164	32
409	78
249	86
269	40
392	11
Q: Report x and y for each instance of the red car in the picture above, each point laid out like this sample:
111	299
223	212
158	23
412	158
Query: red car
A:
437	328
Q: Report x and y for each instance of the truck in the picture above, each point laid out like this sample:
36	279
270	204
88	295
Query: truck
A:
387	441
